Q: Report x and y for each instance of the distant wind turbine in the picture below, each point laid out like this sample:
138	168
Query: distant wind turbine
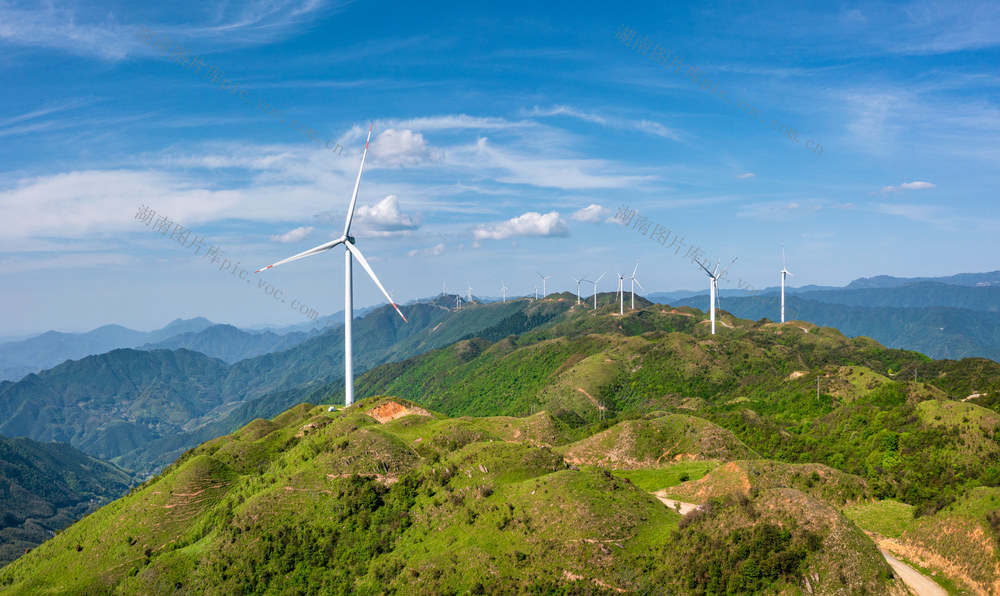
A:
595	288
578	288
784	272
544	277
634	281
468	293
349	249
713	287
536	292
621	294
458	302
503	290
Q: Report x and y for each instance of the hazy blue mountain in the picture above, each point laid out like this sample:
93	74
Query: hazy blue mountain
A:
44	487
53	347
937	331
915	294
231	344
962	279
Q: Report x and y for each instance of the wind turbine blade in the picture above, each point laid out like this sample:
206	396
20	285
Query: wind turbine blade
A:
638	284
636	267
357	183
601	277
705	268
727	267
789	273
361	259
302	255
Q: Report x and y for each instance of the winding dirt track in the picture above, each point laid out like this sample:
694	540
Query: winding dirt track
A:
918	583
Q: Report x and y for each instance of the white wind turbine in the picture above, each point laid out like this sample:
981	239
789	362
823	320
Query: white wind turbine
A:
784	272
595	287
578	288
544	277
503	290
536	291
713	287
349	249
468	293
621	294
634	281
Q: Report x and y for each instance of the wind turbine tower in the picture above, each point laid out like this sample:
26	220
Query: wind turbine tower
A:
503	290
784	272
578	288
349	250
634	281
544	277
621	294
713	287
595	288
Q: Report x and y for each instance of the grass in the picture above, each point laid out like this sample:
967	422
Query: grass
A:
888	518
652	480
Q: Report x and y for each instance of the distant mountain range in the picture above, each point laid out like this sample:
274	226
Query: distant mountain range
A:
141	409
53	347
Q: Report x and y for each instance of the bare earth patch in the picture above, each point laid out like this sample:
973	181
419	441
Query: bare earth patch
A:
392	410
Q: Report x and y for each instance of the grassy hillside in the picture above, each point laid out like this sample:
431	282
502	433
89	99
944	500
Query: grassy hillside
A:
45	487
387	496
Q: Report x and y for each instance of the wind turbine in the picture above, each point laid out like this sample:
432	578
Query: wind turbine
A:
536	292
713	286
349	249
595	288
784	272
503	290
468	293
578	288
634	281
458	302
621	293
544	277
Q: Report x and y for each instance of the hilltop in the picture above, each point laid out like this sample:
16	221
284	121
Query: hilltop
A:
389	496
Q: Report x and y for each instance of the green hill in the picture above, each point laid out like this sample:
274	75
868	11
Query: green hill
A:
387	496
44	487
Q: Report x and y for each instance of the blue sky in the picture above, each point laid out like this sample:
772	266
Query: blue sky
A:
506	138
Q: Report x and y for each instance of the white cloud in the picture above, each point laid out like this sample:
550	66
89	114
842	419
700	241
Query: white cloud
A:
401	148
646	126
433	251
295	235
592	213
531	223
384	217
746	175
917	185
